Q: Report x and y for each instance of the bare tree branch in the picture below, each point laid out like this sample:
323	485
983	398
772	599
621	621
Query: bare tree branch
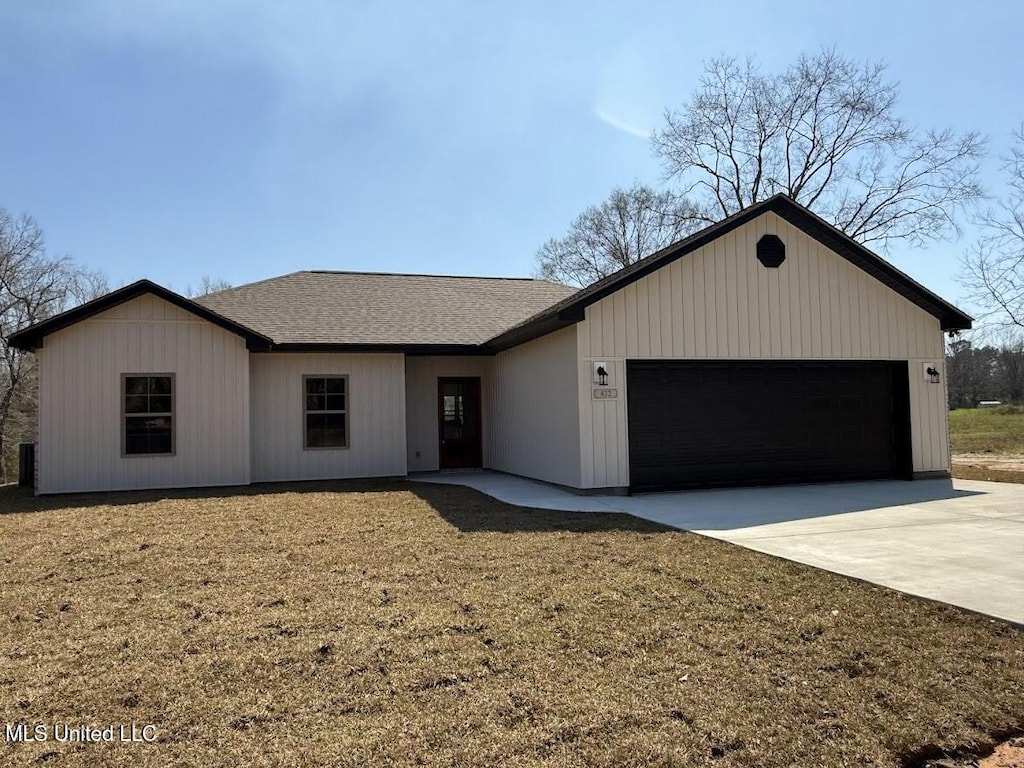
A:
825	132
629	225
993	267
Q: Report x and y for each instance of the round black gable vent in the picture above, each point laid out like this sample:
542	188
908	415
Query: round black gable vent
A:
771	251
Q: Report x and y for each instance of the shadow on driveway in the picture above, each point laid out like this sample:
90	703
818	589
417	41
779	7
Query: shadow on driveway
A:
735	508
713	510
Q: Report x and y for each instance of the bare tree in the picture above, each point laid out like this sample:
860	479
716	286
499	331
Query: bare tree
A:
33	286
207	285
825	132
993	268
630	224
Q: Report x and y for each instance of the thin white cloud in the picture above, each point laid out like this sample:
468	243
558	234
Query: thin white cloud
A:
318	51
622	125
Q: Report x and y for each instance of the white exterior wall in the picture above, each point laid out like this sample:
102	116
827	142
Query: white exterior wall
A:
80	409
535	421
376	418
421	375
719	302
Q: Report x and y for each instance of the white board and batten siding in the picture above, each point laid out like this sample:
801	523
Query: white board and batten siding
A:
535	424
80	409
421	405
376	416
719	302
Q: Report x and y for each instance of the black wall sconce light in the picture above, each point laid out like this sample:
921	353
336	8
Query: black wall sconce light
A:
601	374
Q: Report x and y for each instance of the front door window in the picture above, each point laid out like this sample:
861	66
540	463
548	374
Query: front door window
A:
459	422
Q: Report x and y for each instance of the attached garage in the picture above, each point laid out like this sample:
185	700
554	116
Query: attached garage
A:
768	348
698	424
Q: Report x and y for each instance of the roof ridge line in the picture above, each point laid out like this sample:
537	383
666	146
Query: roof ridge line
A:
414	274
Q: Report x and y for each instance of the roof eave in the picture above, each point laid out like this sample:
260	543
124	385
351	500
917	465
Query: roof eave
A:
31	338
407	349
530	330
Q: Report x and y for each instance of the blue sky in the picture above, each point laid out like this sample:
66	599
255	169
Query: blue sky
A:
241	140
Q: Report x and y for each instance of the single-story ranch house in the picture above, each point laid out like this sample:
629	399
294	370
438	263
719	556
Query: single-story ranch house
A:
767	348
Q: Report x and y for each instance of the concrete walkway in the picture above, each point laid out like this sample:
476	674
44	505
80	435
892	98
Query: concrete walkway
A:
961	542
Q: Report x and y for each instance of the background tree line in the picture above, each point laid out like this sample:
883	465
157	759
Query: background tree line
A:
986	372
35	285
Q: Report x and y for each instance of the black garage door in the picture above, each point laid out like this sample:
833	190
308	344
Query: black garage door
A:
721	423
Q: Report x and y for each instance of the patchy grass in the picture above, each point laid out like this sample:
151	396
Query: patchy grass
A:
987	430
375	623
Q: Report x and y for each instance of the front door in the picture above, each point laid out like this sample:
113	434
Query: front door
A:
458	418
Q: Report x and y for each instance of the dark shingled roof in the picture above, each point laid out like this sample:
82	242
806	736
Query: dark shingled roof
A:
373	309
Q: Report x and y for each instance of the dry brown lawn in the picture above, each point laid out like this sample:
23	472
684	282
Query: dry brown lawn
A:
407	624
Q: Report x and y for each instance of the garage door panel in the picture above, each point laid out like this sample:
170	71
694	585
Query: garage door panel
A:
705	424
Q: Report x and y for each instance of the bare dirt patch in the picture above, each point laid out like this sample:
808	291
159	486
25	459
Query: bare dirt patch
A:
1004	468
399	623
1005	462
1007	755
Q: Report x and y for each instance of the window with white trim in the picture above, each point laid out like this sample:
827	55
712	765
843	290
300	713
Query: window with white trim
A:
325	411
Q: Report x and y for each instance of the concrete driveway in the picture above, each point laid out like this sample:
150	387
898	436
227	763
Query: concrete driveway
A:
961	542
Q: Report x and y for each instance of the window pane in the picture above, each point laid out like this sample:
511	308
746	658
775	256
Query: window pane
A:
334	428
314	430
158	424
160	442
314	402
315	386
135	385
134	425
336	386
160	385
335	402
325	430
147	435
135	444
159	403
136	404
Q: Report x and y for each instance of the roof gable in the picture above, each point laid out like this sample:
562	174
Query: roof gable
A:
571	309
31	338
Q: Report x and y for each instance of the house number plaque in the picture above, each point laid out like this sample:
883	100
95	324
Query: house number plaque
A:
605	393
